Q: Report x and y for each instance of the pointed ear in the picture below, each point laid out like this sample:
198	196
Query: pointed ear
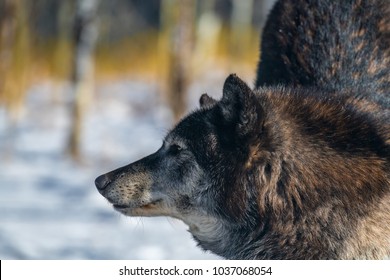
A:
206	101
240	107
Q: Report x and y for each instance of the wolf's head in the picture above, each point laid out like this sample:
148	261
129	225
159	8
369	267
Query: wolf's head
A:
197	174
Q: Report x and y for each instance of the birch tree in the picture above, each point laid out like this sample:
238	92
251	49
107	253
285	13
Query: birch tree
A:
84	37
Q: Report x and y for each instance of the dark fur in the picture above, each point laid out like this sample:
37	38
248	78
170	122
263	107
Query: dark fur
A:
330	44
298	168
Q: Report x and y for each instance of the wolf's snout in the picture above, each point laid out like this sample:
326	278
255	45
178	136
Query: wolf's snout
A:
102	182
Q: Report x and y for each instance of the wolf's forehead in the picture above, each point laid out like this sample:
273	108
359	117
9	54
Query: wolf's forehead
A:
192	127
196	138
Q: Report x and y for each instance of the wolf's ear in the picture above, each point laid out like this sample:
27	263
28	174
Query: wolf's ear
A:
240	107
206	101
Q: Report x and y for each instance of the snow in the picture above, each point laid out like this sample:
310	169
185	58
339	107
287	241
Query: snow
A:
49	207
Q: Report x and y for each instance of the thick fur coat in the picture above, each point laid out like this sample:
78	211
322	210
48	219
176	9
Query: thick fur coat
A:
299	167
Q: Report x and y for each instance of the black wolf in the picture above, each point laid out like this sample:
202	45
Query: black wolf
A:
298	168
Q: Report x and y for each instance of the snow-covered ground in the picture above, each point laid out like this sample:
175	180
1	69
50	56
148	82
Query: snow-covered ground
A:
49	207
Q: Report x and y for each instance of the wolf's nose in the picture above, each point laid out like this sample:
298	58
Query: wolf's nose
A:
102	182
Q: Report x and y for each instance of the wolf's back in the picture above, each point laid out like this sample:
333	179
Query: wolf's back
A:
333	45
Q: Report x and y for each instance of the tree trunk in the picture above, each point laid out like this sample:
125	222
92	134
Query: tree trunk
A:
14	55
241	25
7	37
84	37
178	21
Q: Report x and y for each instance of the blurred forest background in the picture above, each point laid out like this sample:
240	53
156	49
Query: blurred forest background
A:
172	43
87	86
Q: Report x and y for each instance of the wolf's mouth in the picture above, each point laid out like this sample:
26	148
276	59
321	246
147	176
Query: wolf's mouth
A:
139	206
121	206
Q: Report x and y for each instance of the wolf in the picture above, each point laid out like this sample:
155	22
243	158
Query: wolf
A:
299	166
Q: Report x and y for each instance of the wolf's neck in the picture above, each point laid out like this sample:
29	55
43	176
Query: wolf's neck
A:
218	236
322	144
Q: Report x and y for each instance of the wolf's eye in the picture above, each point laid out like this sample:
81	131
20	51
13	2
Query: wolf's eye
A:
175	149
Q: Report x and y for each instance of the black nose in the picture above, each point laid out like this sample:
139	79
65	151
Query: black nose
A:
102	182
